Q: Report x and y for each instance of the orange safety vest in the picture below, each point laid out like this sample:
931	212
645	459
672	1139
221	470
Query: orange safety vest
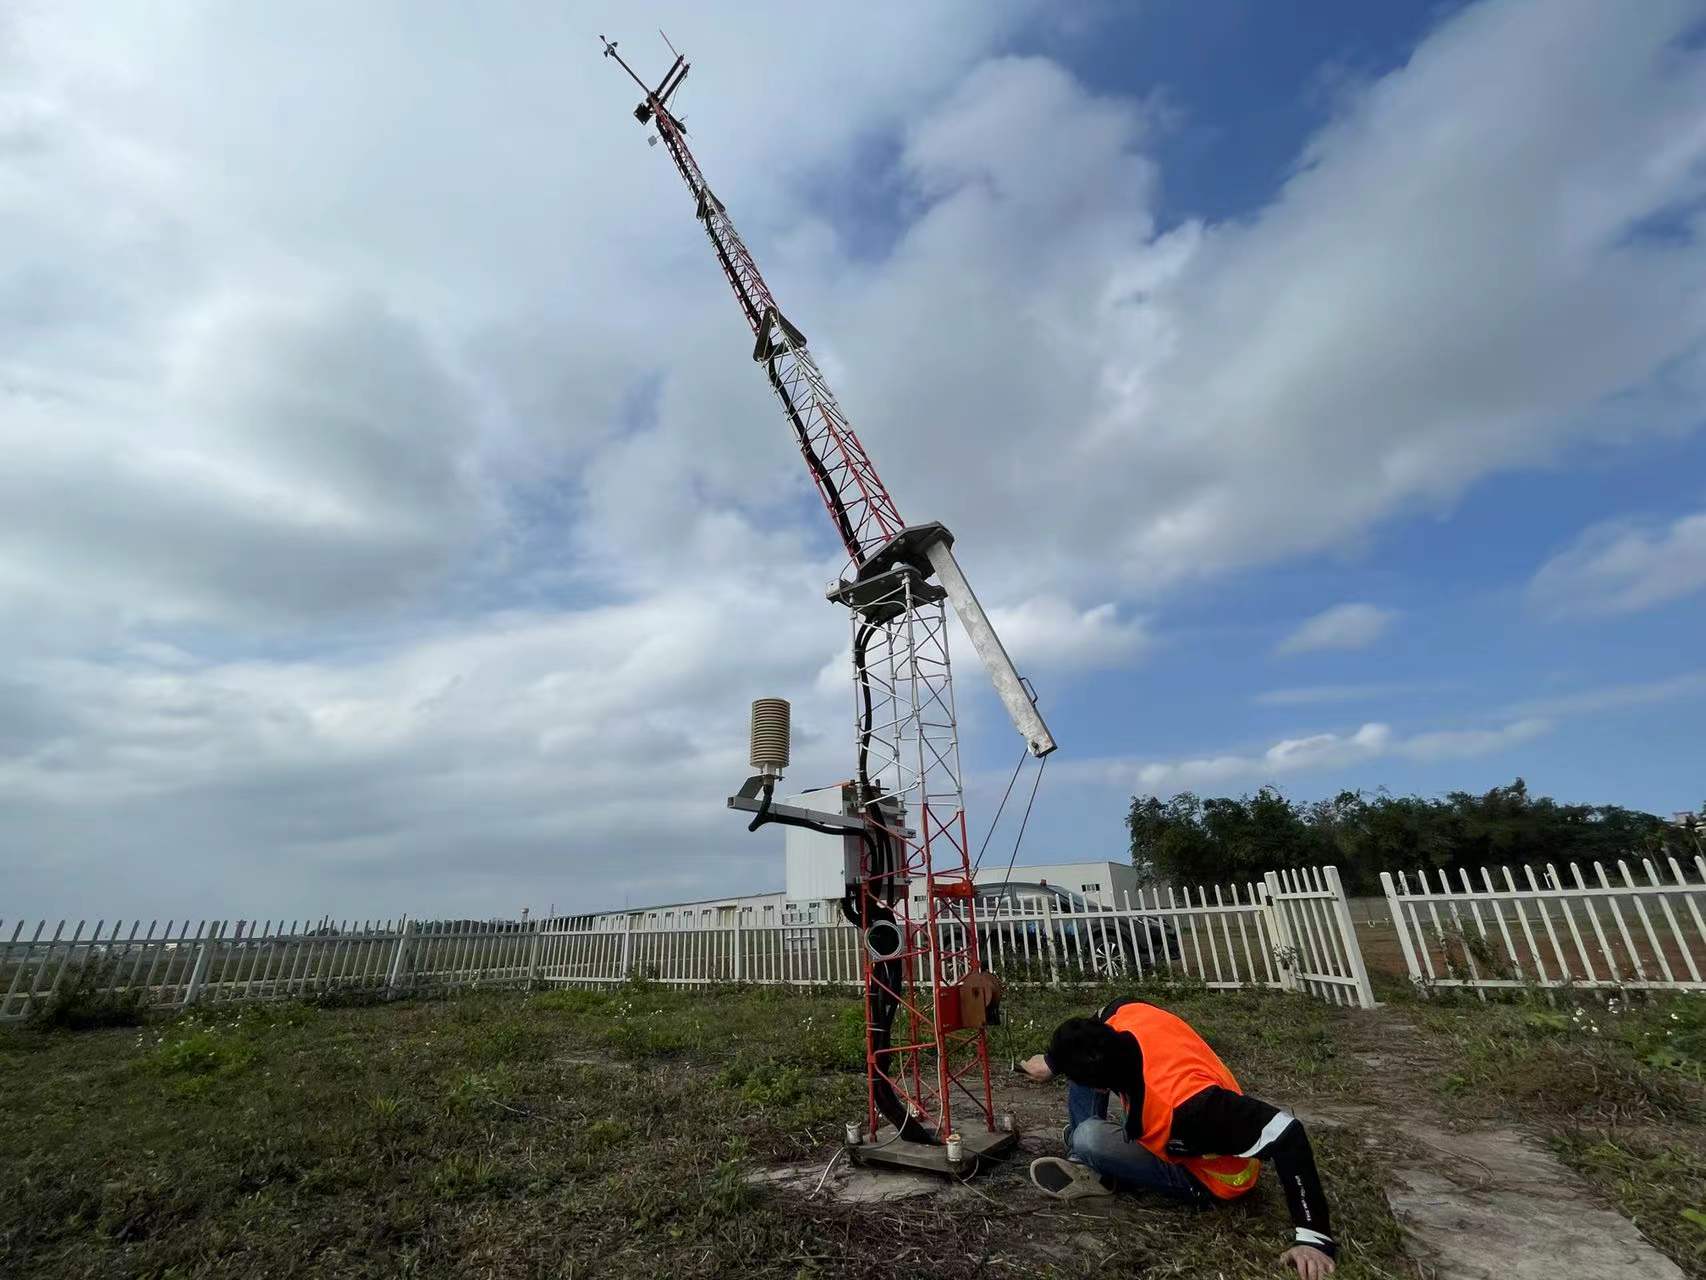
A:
1178	1065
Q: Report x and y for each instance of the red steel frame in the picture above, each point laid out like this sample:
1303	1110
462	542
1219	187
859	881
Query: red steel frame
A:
911	742
914	754
842	470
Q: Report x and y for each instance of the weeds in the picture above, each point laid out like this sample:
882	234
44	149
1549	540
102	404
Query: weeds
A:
1613	1060
766	1084
1656	1183
493	1134
478	1092
82	1000
461	1177
727	1192
201	1053
512	1041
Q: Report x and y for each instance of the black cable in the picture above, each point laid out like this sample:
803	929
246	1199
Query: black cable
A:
763	814
814	464
888	977
862	638
883	861
999	809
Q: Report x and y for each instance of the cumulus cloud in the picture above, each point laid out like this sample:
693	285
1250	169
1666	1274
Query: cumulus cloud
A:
1344	626
1454	282
360	430
1316	753
571	755
1623	568
1048	631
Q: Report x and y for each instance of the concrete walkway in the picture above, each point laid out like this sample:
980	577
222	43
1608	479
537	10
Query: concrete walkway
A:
1494	1205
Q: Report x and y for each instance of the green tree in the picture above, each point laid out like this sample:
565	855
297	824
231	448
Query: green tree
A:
1191	839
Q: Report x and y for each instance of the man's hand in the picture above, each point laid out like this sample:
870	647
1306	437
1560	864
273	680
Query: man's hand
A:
1037	1068
1310	1262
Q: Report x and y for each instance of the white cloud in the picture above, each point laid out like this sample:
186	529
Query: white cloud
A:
1455	744
1615	697
1344	626
1623	568
1317	753
1406	319
1046	631
1314	695
571	756
292	376
282	351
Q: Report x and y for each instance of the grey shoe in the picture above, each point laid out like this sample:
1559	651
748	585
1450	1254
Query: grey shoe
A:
1065	1180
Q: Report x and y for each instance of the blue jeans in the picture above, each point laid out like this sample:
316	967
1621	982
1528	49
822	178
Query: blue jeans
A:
1093	1139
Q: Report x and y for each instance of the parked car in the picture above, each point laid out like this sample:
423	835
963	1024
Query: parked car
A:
1012	923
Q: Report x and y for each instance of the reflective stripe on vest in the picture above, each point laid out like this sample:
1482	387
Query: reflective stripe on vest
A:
1241	1179
1178	1065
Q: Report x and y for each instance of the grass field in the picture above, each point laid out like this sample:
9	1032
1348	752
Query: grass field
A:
577	1133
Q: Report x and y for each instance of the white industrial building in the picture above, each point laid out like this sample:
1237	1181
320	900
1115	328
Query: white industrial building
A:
819	865
1104	883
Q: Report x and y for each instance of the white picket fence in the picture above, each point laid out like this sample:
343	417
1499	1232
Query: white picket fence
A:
1291	931
1224	938
1551	930
221	960
1316	939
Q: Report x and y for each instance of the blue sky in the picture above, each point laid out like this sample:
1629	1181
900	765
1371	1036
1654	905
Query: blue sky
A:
397	519
1247	82
1250	83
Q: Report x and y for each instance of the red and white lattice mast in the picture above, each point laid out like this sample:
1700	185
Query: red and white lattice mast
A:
903	820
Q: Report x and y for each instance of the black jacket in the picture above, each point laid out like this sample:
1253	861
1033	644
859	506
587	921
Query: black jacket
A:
1219	1122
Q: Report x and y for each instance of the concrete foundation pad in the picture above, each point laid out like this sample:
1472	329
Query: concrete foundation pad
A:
848	1184
979	1147
1495	1205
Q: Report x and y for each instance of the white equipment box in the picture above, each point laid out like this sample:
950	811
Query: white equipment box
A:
819	866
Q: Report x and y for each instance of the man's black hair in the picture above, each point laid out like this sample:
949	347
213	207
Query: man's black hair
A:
1089	1052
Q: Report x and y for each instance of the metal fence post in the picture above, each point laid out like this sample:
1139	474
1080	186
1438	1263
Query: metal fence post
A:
224	968
1348	935
1279	929
192	990
627	947
533	957
735	941
1048	941
400	957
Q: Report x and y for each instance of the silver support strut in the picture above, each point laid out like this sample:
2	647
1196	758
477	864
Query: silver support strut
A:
1017	698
